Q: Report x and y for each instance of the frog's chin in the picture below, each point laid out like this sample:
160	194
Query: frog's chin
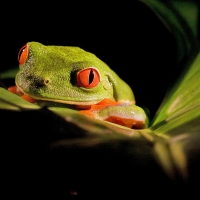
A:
49	103
34	98
79	104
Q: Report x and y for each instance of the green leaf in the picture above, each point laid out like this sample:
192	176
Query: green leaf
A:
184	96
176	16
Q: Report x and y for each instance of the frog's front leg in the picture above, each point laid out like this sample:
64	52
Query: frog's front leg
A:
17	91
130	116
123	114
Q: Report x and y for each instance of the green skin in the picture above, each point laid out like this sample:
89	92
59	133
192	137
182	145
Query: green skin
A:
49	74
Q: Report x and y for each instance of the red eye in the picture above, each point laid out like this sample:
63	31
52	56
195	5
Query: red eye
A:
88	78
23	54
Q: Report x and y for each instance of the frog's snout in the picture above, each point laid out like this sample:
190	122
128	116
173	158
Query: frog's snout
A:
32	83
37	82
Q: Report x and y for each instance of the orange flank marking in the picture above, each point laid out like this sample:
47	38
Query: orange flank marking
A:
102	104
87	112
108	102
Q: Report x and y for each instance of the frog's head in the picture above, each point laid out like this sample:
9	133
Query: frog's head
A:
63	74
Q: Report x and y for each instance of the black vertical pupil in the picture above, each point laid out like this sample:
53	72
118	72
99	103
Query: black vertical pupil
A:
91	76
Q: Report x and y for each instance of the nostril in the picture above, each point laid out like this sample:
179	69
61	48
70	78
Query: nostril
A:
46	81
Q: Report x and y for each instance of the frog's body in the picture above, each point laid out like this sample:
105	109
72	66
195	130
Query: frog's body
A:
71	75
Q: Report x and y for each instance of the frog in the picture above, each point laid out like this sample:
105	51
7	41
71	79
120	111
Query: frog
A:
73	76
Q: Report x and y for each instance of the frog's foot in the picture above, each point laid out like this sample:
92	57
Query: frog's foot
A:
17	91
128	115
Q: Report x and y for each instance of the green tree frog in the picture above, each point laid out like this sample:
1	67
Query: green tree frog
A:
71	75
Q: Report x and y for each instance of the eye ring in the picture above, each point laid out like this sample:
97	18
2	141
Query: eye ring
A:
88	77
23	54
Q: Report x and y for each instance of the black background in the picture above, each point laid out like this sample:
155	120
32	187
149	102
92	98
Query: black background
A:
128	37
